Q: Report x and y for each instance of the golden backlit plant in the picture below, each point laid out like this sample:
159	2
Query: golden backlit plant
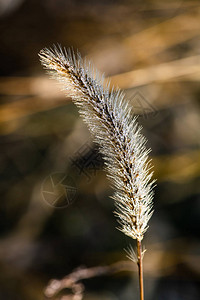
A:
110	120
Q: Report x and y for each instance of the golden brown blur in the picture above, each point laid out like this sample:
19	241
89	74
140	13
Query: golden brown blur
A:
56	217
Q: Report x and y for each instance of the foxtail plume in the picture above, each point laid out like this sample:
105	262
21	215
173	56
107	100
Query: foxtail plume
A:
109	118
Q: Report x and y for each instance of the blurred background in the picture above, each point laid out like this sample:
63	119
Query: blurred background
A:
55	211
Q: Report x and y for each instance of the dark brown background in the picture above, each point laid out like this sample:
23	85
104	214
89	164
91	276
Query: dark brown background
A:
151	50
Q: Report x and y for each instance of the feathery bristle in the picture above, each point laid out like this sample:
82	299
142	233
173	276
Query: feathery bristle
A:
109	119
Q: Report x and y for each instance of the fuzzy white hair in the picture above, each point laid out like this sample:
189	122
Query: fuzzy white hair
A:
110	120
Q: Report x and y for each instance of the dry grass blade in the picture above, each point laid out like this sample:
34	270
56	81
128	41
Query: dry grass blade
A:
164	35
73	280
158	73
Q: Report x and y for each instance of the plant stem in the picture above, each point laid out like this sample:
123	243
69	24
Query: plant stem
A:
140	269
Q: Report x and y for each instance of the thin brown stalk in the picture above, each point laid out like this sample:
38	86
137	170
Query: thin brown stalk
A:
140	269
